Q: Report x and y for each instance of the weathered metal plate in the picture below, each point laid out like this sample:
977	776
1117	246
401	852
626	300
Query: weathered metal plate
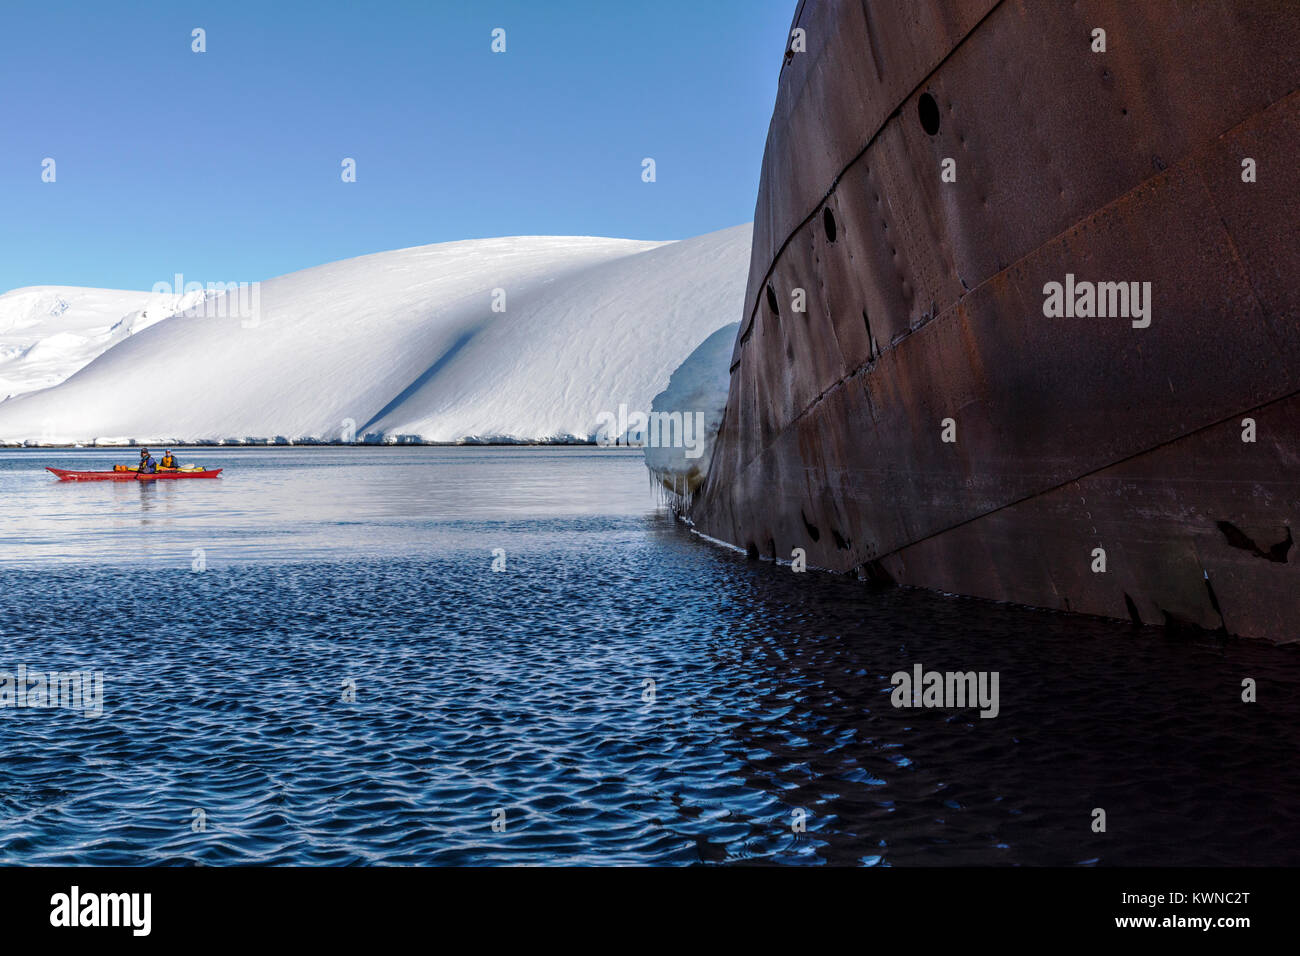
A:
924	302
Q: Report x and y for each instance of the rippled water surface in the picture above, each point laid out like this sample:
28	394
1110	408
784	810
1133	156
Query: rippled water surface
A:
522	697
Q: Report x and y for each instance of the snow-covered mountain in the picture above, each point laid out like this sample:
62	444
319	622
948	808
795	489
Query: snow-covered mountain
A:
49	332
525	339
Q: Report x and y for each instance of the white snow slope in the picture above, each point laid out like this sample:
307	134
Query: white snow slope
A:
407	345
49	332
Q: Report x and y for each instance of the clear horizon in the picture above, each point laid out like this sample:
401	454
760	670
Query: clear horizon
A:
225	165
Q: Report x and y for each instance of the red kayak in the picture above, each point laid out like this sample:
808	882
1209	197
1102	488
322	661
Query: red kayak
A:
64	475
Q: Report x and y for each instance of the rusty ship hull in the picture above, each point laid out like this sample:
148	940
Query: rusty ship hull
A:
1171	450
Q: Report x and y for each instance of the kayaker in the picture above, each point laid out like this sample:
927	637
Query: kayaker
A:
169	460
147	465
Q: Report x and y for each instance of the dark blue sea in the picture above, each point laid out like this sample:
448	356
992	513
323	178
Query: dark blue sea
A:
312	661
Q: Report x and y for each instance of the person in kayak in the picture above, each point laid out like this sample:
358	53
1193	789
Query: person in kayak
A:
147	465
169	460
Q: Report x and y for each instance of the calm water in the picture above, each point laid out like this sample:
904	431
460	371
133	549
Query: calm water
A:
522	695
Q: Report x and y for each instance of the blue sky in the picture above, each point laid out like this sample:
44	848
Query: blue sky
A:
225	165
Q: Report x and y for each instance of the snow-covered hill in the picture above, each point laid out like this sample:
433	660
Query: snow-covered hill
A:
526	339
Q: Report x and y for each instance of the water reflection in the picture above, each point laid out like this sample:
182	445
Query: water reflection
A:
627	693
1094	714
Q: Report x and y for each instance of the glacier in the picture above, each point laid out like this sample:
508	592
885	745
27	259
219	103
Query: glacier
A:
519	339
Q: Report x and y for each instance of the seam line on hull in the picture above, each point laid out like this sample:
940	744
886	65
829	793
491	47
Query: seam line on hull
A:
1089	474
767	276
751	315
1188	163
